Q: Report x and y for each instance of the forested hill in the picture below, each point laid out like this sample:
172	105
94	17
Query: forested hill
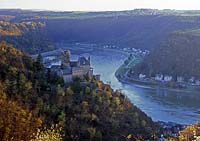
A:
27	36
144	32
32	100
177	56
140	28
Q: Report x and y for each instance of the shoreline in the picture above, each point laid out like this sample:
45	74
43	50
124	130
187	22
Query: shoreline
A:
151	85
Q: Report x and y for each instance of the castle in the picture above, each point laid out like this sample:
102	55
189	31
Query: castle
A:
68	69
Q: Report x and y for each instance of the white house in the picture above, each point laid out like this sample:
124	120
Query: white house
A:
159	77
180	79
167	78
197	82
191	80
142	76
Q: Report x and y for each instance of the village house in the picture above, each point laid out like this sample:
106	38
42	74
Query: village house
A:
159	77
180	79
192	79
142	76
197	82
167	78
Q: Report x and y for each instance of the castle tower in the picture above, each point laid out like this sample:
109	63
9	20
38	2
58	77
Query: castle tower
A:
66	59
89	60
67	56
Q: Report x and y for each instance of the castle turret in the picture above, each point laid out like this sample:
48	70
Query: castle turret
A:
89	60
67	56
66	59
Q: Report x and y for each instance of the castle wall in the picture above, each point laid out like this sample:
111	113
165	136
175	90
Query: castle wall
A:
67	78
77	72
86	69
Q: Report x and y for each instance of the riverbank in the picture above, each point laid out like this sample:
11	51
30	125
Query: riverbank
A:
153	84
122	75
87	47
171	129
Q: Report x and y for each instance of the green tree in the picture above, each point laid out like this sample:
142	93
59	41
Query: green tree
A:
61	118
39	63
60	96
92	132
87	90
69	91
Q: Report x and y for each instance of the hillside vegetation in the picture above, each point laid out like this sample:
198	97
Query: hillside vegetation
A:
140	28
191	133
177	56
26	36
33	99
144	32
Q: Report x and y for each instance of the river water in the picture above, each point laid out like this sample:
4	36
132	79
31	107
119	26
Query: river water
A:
159	104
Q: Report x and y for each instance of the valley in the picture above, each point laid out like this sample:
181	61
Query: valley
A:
170	103
122	75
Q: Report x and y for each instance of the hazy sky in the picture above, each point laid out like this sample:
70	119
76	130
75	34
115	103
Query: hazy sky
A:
100	5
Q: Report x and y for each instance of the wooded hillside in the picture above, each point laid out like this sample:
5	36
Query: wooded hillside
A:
32	98
140	28
177	56
27	36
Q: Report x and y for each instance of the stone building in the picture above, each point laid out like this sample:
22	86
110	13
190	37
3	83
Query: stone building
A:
71	69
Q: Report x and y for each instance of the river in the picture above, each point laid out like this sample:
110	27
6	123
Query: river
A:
160	104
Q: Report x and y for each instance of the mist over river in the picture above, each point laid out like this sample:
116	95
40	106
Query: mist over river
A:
160	104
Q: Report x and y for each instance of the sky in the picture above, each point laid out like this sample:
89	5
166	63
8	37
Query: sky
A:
100	5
